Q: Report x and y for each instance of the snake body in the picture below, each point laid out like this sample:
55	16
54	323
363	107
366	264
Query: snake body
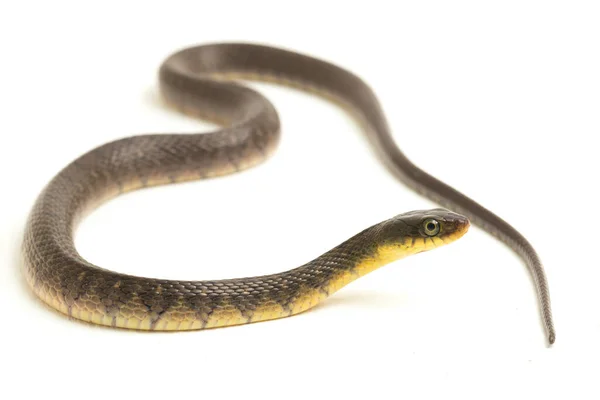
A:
197	81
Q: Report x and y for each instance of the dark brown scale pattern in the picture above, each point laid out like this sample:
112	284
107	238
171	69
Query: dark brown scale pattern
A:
251	133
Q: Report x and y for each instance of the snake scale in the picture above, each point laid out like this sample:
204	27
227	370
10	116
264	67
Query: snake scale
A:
200	81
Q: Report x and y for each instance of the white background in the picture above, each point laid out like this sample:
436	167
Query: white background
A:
499	100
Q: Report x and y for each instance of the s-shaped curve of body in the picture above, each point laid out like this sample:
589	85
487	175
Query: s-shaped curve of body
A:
197	81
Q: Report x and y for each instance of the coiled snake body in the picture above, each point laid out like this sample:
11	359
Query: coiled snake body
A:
192	81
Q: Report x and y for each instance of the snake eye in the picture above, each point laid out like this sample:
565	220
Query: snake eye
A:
431	227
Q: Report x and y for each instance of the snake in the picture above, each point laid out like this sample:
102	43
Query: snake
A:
204	81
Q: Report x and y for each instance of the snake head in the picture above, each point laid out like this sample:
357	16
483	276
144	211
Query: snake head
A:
420	230
437	223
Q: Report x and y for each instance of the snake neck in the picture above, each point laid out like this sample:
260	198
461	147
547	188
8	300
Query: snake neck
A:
343	264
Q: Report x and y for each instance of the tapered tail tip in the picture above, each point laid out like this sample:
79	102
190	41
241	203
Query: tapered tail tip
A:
551	338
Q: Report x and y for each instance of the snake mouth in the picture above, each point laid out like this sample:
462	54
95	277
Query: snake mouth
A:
455	229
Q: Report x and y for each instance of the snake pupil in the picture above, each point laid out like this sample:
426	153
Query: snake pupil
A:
430	226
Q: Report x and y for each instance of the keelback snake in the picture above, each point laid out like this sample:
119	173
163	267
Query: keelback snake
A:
197	81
